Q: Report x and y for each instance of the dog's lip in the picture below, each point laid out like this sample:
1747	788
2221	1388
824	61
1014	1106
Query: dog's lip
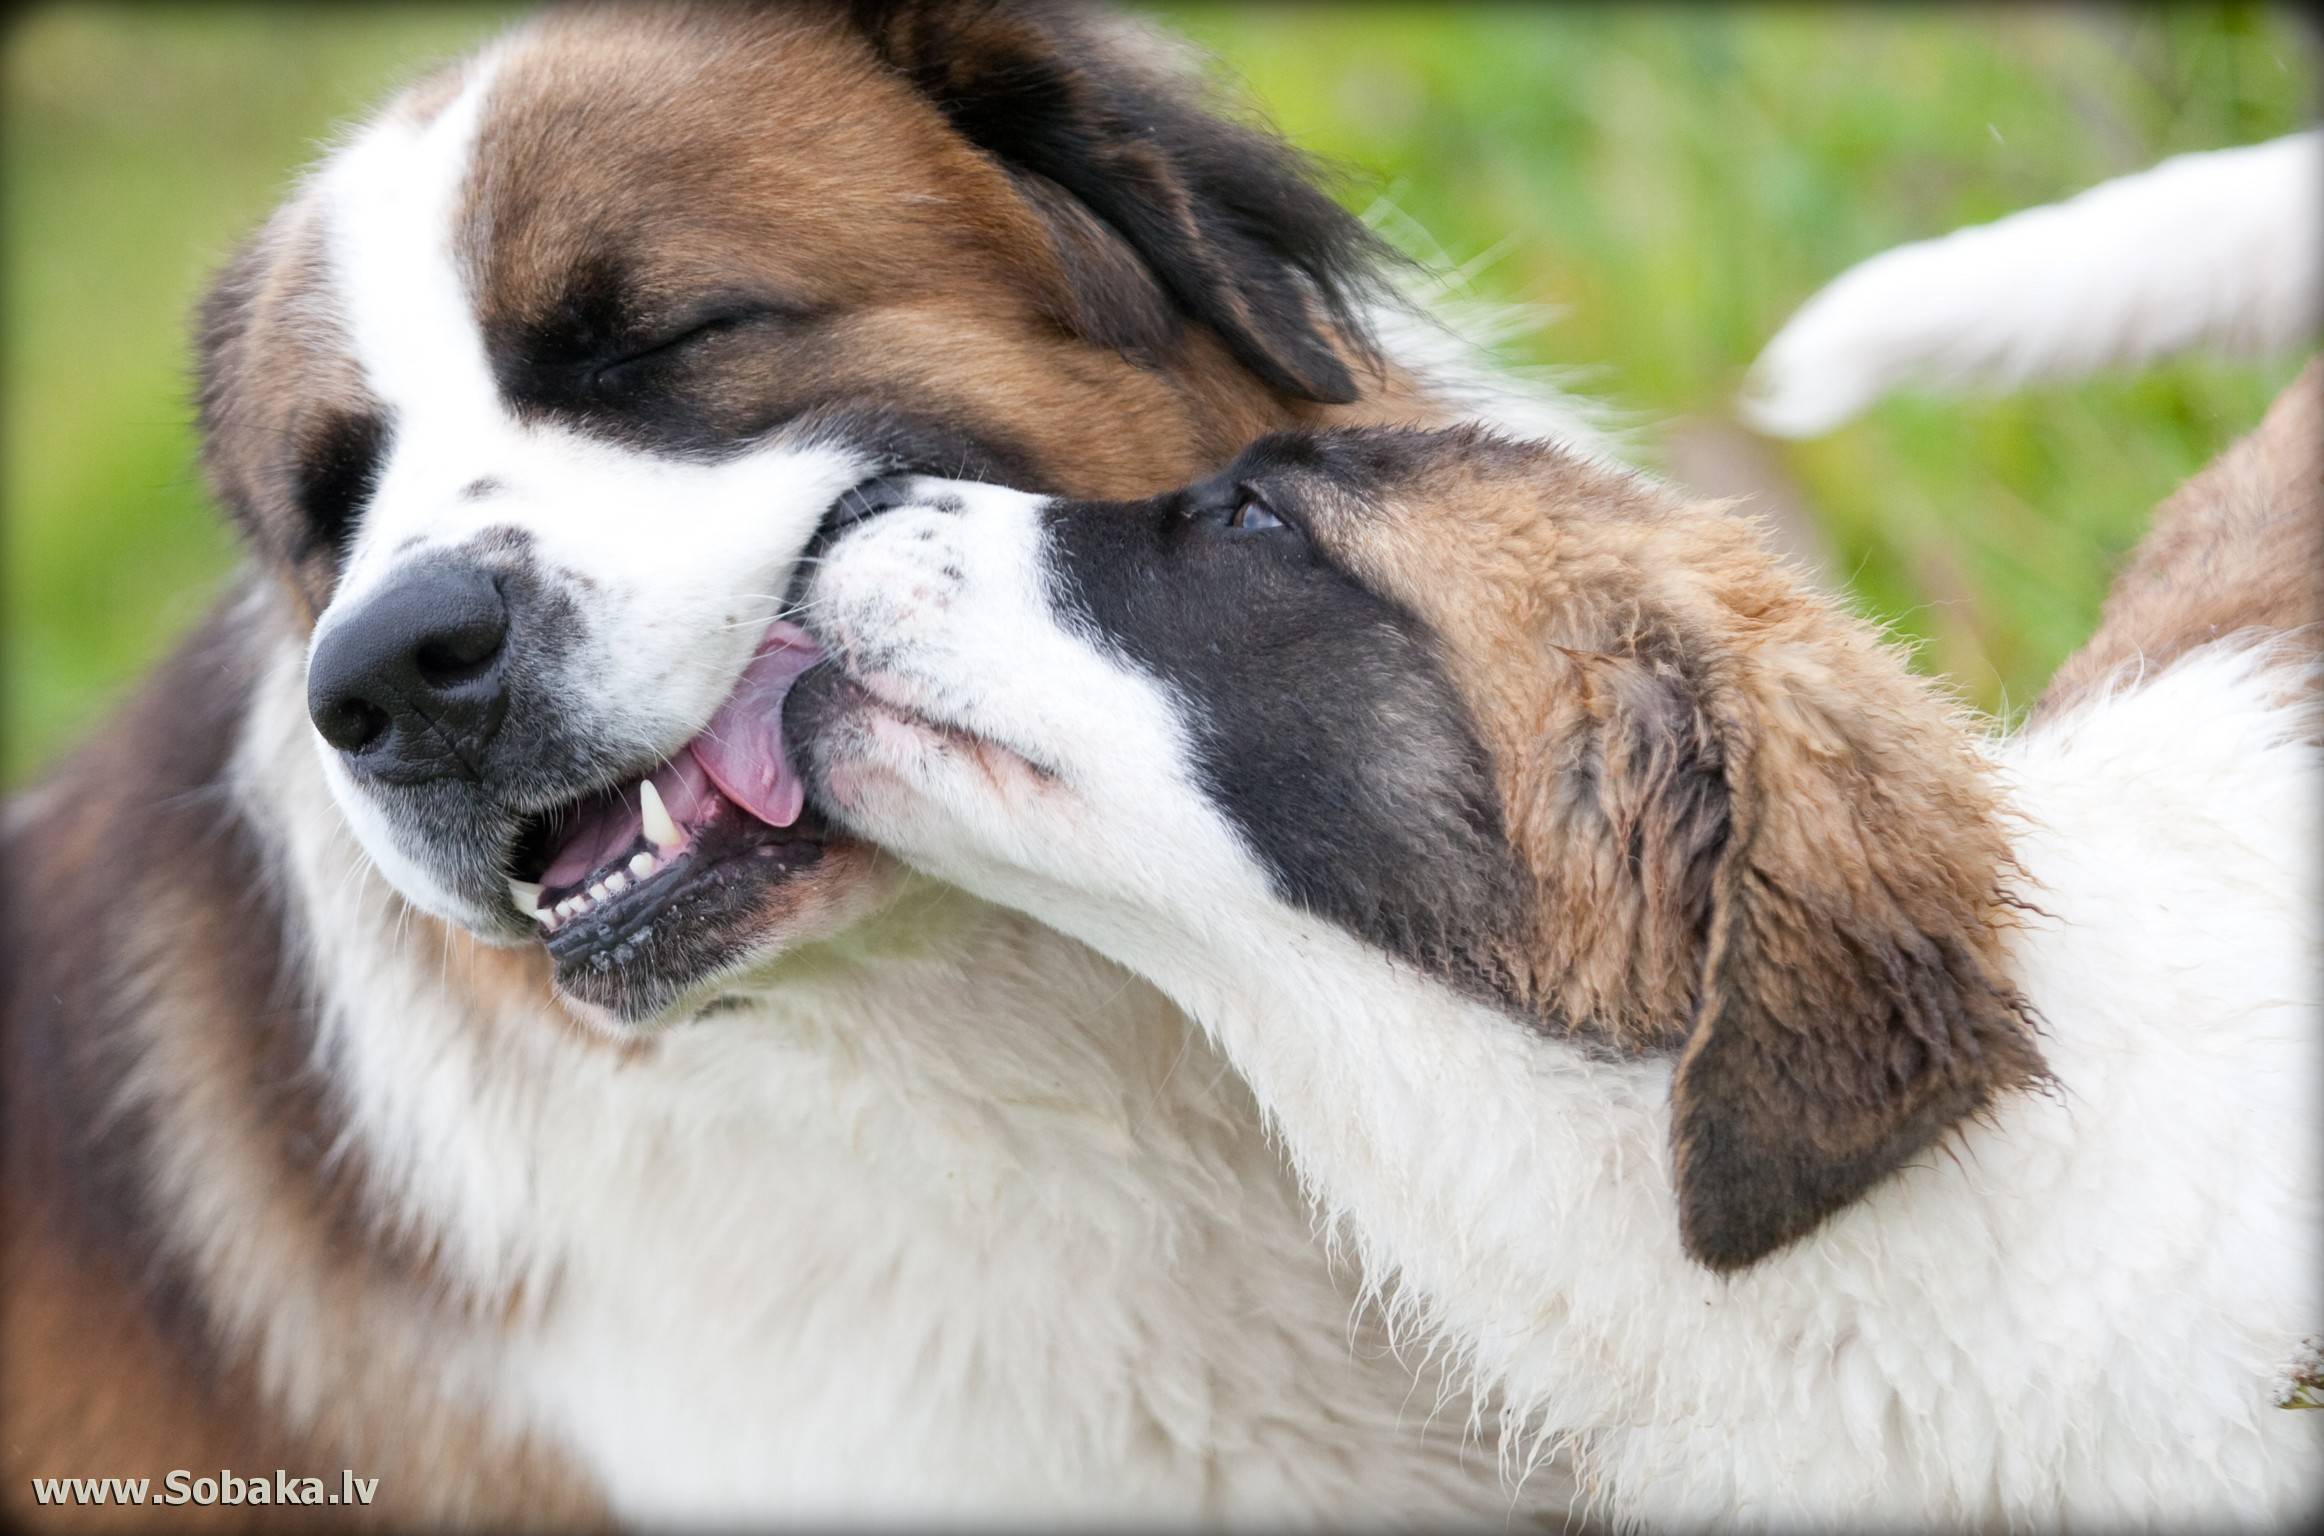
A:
599	934
727	812
889	694
614	845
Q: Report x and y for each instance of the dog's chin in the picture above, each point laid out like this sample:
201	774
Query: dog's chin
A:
663	955
654	929
735	900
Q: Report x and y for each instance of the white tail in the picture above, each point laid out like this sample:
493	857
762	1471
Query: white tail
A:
2222	250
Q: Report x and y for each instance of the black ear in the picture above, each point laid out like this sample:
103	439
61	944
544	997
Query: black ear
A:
1225	219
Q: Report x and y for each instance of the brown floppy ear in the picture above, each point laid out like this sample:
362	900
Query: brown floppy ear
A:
221	332
1158	210
1819	821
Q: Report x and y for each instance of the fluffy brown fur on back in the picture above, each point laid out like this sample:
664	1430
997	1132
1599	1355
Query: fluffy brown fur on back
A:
2239	548
1754	837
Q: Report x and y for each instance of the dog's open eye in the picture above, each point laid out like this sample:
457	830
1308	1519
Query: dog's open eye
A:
1252	515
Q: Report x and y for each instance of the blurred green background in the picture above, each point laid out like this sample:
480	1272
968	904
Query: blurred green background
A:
1672	181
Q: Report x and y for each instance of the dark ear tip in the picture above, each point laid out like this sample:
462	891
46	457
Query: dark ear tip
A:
1725	1230
1725	1242
1336	389
1313	374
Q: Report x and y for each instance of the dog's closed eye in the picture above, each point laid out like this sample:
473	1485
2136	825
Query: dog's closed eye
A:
674	341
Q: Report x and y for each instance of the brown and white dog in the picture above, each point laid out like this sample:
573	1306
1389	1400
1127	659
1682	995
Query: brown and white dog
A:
439	1045
1814	1110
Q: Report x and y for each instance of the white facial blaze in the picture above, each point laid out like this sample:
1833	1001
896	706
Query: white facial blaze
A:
672	567
950	615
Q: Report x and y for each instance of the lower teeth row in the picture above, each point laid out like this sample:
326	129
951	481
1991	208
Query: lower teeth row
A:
640	867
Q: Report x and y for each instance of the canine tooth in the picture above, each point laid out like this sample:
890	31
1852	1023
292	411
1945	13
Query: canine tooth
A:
526	895
597	891
616	883
661	830
642	865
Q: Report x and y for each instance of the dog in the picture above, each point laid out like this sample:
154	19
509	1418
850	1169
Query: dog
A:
2218	251
1806	1107
440	1045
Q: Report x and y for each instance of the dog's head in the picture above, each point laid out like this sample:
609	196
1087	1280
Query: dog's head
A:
1523	722
538	389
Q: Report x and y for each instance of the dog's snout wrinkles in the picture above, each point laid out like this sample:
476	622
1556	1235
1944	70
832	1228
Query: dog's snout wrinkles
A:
413	684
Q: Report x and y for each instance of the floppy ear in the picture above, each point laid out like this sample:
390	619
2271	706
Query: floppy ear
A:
1807	819
1157	209
221	326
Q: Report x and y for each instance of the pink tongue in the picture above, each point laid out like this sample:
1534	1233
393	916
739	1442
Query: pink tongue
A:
603	827
742	746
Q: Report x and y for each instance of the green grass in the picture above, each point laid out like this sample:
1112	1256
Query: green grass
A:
1673	181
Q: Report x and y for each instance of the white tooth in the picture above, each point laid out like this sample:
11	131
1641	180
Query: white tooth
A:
546	918
616	883
568	906
642	865
597	891
661	830
527	897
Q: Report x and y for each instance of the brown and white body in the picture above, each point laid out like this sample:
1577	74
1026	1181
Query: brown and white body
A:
1807	1107
438	1042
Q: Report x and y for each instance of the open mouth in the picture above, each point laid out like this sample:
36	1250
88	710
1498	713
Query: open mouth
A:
725	811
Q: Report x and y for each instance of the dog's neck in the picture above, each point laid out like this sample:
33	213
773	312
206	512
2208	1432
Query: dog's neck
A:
1505	1186
1510	1191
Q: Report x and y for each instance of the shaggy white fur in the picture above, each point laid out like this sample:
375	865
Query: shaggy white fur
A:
2071	1317
2076	1312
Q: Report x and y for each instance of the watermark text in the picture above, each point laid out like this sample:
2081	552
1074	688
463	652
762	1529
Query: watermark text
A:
222	1487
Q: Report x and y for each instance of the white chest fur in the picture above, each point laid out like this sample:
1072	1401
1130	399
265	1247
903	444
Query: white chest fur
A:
969	1221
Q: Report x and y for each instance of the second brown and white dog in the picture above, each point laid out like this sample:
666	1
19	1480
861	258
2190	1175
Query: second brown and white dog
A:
1815	1110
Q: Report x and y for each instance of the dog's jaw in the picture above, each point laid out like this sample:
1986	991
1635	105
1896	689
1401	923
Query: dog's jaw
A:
655	580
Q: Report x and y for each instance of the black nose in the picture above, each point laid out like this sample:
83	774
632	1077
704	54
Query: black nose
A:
412	685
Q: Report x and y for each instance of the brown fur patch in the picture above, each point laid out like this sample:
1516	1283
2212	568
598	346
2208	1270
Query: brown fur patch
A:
1753	836
272	373
2239	548
667	153
175	1053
